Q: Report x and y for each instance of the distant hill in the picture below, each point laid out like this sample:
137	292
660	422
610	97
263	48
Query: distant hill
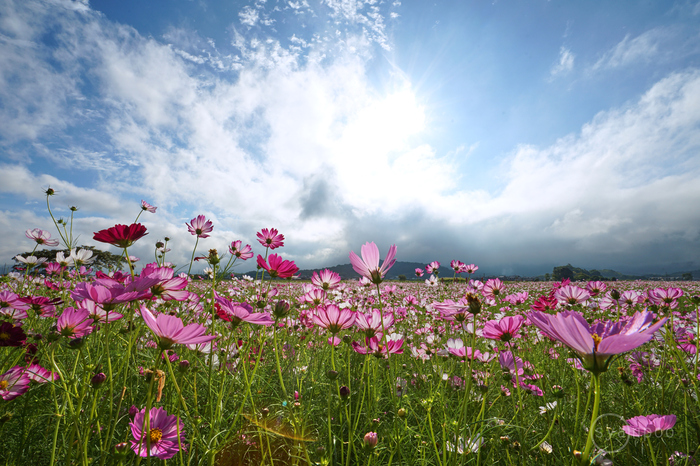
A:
346	272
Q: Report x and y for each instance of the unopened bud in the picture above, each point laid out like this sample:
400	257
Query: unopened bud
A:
371	439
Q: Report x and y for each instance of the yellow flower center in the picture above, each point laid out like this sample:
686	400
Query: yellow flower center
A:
3	384
4	336
596	340
155	435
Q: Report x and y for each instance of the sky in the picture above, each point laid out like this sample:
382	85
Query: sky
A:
514	135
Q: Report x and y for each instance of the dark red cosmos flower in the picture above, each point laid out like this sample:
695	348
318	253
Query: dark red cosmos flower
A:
121	236
11	335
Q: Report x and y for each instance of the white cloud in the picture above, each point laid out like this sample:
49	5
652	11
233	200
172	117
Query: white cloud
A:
642	48
565	63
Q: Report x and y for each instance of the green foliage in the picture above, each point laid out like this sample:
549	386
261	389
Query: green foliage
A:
402	278
563	272
104	260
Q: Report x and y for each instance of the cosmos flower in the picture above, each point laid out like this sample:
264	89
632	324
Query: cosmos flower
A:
270	238
596	345
13	383
493	287
121	236
639	426
371	323
569	294
162	434
240	312
74	323
368	266
334	319
243	253
41	237
171	331
278	267
200	226
419	273
31	261
11	335
325	279
433	267
504	330
146	207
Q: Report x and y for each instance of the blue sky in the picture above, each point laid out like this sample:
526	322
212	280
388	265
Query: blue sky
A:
515	135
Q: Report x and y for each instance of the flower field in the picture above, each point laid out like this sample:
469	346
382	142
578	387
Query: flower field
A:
155	367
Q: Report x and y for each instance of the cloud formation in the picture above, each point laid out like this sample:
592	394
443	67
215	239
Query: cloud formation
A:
293	133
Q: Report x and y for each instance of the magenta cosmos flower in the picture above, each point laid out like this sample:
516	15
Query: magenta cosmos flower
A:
368	266
200	226
121	236
639	426
162	434
74	323
493	287
243	253
278	267
596	345
41	237
505	330
433	267
270	238
170	330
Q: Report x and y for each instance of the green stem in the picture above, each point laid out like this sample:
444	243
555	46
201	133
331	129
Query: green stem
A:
594	417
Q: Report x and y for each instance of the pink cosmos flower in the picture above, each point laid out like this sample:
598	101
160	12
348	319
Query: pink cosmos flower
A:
278	267
13	383
471	268
596	287
419	273
170	330
241	312
449	310
162	434
393	345
596	345
38	374
121	236
666	297
517	298
334	319
433	267
458	266
168	287
371	323
146	207
639	426
368	266
74	323
41	237
569	294
270	238
493	287
243	253
200	226
326	279
505	330
316	296
98	313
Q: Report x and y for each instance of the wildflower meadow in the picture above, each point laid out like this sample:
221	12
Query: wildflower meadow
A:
111	367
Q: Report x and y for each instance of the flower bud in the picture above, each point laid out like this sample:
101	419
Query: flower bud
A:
133	411
344	391
371	439
332	375
401	413
121	448
98	379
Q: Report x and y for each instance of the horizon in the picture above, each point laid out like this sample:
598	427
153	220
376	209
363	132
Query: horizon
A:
516	137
